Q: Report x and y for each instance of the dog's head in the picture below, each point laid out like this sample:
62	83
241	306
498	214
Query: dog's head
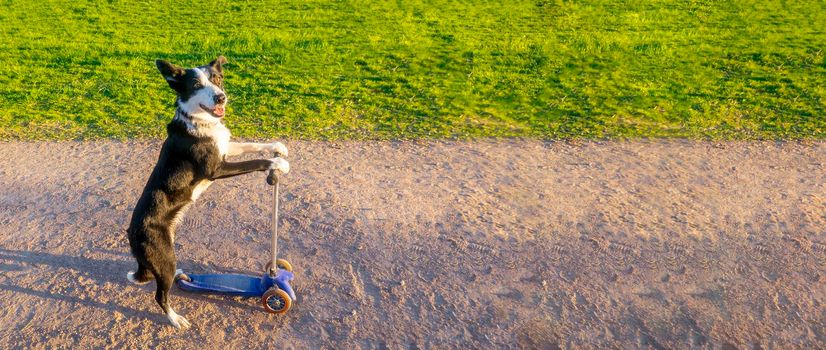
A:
200	90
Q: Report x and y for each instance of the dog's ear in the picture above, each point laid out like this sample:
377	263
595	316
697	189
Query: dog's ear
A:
172	73
219	63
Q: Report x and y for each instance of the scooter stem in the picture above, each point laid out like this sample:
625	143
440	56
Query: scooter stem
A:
273	181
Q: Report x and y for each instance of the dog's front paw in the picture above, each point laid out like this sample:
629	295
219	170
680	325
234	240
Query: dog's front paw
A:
279	149
280	164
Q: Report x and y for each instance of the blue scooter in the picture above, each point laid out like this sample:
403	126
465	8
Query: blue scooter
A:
273	287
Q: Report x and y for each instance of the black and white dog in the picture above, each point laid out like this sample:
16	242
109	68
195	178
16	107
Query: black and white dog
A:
192	157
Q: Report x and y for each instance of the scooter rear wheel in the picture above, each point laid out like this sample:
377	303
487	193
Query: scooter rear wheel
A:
276	301
182	277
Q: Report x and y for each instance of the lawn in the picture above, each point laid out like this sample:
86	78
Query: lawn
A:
422	69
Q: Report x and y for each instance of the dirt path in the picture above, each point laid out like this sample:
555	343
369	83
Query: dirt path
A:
512	244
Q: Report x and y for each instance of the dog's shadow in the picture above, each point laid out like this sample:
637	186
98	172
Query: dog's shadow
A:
102	271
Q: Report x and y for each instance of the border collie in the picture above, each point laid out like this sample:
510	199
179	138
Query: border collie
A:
192	157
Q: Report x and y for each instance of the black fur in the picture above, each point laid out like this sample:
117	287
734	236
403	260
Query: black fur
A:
184	81
185	160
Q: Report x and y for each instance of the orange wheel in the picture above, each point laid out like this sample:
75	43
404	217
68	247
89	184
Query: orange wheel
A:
182	276
281	263
276	301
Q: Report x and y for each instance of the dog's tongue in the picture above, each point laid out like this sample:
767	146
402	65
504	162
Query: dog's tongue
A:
219	111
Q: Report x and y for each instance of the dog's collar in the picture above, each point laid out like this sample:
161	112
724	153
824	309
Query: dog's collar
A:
193	126
180	113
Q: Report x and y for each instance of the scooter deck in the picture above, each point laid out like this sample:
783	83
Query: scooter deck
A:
237	284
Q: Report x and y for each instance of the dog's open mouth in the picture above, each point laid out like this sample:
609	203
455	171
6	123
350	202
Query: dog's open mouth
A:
217	111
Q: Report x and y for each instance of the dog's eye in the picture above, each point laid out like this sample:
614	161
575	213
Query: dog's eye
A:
198	85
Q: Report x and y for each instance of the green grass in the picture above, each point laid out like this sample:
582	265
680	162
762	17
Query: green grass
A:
422	69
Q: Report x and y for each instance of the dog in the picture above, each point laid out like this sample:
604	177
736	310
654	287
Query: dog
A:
191	158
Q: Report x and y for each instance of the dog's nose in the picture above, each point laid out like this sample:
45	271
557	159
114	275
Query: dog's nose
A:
220	98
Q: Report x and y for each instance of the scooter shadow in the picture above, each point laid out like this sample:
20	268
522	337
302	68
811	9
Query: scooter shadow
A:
104	271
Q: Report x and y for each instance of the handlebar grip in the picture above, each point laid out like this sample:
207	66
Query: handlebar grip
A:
271	178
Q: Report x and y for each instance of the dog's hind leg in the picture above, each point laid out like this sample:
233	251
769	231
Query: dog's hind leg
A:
142	276
165	276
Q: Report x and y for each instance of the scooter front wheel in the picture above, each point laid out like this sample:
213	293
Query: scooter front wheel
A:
281	263
276	301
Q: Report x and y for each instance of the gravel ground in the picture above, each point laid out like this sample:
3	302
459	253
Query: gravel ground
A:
486	244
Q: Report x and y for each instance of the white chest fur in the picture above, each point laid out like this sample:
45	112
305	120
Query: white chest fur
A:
217	132
220	136
200	188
